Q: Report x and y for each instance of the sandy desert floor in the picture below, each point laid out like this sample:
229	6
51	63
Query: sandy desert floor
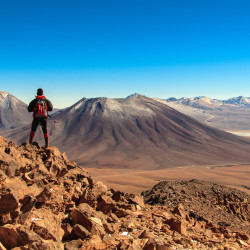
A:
129	180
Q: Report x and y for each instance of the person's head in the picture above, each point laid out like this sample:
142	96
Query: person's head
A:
40	91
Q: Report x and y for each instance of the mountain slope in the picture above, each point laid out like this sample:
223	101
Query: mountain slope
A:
13	112
138	132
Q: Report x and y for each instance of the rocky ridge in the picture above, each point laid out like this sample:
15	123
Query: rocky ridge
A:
49	202
219	204
205	102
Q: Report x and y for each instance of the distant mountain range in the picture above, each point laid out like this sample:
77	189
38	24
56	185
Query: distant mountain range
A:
230	115
208	103
137	132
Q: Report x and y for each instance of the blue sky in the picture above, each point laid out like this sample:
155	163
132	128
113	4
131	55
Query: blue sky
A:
75	49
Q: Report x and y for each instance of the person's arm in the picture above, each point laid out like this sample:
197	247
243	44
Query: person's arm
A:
32	106
49	105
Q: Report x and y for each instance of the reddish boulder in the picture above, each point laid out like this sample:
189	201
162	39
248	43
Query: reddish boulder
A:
80	232
83	217
44	223
73	244
13	236
8	201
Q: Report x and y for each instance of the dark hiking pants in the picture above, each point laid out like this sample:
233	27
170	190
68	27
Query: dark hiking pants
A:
35	123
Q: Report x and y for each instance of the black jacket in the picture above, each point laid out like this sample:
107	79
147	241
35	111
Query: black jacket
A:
32	104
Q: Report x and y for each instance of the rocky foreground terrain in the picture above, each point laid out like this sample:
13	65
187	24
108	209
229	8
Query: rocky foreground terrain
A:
48	202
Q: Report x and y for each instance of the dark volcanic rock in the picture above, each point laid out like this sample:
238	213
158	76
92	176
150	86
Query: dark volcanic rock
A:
218	204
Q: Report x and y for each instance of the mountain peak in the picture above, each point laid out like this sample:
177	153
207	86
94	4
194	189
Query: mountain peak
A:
240	100
13	112
133	95
4	94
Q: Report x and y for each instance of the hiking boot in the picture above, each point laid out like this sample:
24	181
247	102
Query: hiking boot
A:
46	142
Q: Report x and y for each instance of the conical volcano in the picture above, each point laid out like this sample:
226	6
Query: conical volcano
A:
139	132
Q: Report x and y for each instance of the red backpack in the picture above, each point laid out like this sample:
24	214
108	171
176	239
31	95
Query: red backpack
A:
41	110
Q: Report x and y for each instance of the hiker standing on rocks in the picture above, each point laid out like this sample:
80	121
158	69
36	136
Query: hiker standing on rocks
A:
40	107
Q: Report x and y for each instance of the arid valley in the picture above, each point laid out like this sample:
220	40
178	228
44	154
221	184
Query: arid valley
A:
130	180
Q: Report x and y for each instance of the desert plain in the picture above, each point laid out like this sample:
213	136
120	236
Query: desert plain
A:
135	181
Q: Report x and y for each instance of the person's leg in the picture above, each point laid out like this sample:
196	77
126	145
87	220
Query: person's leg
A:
43	123
33	129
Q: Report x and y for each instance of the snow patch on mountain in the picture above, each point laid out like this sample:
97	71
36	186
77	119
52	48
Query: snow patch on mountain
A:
240	100
133	95
204	102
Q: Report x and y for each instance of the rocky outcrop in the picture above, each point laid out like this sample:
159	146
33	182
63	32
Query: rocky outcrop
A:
48	202
217	203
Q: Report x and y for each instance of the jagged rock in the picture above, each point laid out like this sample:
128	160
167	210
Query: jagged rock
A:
135	199
67	230
118	196
179	226
95	243
74	244
2	247
79	216
6	219
27	203
44	223
99	189
13	236
53	153
9	236
146	235
3	143
179	209
80	232
8	201
106	204
42	245
71	165
244	236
